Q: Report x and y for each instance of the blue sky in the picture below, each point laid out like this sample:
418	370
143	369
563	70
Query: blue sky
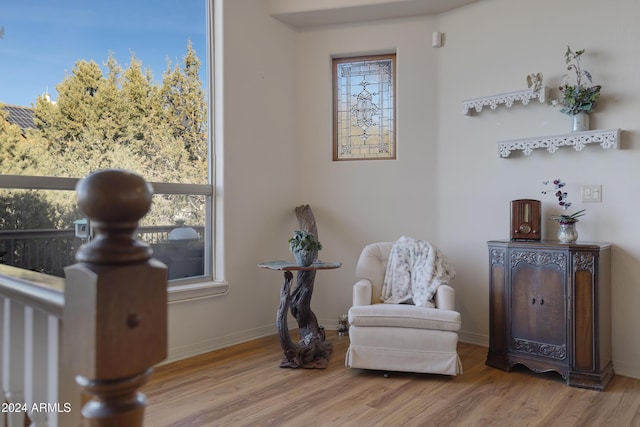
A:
43	39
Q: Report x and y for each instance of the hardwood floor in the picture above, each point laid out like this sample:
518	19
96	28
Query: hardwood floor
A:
243	385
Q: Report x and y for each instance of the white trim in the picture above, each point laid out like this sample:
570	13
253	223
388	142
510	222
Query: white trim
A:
32	182
194	349
216	120
28	182
189	291
626	369
473	338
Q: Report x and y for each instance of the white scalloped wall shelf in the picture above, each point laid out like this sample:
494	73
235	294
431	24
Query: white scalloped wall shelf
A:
508	99
607	138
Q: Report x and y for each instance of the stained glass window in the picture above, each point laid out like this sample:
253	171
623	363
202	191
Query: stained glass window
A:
364	107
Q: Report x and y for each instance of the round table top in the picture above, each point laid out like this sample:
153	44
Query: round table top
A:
291	266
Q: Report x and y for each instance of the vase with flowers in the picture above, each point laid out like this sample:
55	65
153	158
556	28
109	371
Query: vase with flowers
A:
579	96
567	232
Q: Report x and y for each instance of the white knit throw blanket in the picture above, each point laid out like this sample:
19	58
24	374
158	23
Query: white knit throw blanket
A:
414	272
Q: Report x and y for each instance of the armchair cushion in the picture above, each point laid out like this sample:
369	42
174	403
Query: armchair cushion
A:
404	316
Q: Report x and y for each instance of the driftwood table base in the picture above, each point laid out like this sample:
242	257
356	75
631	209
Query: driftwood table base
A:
312	351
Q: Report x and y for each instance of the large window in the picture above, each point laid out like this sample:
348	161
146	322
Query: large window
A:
97	85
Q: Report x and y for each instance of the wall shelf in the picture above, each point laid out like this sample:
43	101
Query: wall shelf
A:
508	99
607	138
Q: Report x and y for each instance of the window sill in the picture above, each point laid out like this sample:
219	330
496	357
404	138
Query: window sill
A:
197	290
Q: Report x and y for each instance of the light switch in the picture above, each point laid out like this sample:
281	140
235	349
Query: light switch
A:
591	193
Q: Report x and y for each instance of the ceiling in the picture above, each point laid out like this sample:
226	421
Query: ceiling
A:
311	13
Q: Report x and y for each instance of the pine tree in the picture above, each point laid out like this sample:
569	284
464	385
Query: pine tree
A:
120	119
185	106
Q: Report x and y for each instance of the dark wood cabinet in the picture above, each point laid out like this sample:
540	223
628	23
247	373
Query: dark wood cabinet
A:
549	308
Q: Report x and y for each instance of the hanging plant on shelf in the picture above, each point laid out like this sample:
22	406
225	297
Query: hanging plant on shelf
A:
578	96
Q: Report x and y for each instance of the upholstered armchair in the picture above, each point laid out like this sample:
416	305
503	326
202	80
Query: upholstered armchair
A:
400	337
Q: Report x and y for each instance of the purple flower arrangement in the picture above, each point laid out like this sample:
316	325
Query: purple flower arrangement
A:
561	195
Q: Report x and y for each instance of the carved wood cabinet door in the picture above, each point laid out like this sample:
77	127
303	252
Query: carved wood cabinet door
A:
538	304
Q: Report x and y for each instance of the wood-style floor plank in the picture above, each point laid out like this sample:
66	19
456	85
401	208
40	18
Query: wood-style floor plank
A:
243	385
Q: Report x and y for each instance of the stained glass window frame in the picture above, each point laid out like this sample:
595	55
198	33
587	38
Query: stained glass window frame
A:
352	111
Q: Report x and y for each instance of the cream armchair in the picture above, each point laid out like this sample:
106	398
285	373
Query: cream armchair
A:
399	337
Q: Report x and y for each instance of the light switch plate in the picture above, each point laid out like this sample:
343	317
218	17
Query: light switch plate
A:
591	193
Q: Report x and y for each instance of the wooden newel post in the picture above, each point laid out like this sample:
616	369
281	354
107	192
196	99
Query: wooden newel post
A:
115	318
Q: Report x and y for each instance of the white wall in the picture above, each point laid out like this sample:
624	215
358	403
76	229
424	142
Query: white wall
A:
490	47
258	186
359	202
448	184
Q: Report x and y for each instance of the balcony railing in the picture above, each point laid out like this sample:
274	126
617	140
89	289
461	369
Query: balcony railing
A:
50	251
45	251
33	371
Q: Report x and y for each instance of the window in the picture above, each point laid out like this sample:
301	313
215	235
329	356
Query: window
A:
90	112
364	107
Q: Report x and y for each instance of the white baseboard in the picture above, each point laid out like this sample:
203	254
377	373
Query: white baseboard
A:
190	350
626	369
194	349
182	352
473	338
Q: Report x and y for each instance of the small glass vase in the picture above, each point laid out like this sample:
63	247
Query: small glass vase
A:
581	122
567	232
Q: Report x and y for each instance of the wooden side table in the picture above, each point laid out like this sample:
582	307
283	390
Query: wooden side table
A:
311	351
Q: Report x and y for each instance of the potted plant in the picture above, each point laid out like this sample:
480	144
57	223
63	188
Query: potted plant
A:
579	97
568	219
304	247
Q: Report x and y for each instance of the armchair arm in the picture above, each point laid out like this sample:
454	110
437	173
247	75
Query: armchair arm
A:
445	298
362	292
